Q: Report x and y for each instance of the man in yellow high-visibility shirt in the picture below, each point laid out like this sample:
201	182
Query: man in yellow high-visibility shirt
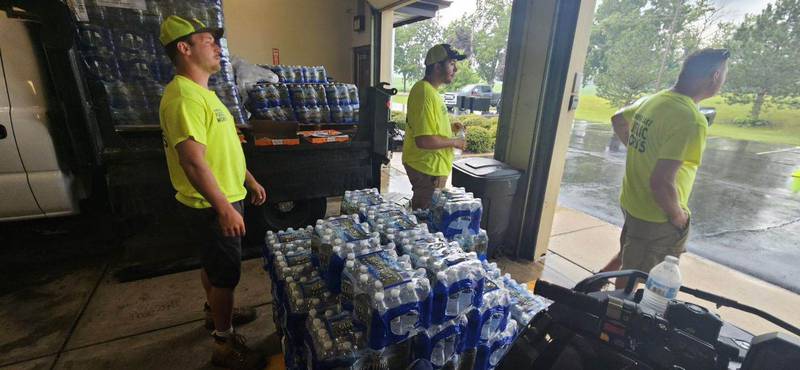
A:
666	135
207	169
428	144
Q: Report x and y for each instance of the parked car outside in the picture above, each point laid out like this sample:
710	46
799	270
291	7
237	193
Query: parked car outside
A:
474	90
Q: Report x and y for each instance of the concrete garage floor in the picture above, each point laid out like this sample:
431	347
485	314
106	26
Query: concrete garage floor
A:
87	320
83	318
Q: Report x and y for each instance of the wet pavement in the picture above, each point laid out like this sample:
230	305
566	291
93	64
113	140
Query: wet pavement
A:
744	214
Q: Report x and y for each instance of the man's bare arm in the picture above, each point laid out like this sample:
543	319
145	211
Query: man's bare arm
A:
662	184
191	155
431	142
622	128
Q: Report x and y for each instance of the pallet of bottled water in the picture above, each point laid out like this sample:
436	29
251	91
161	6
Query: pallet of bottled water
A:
128	67
389	298
524	304
495	348
469	242
455	211
443	344
353	200
332	339
492	316
337	237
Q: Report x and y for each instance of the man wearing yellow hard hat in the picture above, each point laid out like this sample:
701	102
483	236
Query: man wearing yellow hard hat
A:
207	169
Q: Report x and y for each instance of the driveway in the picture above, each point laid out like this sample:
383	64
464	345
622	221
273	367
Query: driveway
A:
744	214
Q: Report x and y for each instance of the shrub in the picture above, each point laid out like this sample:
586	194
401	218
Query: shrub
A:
752	122
399	118
489	124
479	140
471	120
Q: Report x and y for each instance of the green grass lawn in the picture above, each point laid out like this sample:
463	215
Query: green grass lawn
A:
400	98
786	129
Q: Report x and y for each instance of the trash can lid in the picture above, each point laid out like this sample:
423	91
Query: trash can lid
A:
485	168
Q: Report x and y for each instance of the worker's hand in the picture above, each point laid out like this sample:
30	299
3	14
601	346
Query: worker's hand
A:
257	193
680	220
460	144
231	222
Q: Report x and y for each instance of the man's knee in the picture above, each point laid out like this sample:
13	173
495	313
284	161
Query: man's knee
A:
223	266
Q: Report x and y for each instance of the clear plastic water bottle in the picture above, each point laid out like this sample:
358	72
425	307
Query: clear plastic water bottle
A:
461	134
663	283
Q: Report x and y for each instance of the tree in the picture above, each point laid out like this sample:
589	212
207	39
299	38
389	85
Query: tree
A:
765	49
410	46
491	22
630	68
611	23
459	33
636	46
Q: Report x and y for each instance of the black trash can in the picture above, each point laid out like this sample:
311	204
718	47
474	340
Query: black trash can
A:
495	183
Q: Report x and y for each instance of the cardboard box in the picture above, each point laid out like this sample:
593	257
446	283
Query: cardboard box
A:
270	133
324	136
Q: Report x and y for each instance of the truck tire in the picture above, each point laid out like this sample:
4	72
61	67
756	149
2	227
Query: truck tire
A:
280	216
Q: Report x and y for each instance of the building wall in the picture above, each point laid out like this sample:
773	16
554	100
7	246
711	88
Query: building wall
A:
307	32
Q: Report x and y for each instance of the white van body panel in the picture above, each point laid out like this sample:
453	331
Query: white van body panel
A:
25	80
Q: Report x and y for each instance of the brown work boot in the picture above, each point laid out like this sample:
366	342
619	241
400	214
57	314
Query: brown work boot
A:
241	316
233	353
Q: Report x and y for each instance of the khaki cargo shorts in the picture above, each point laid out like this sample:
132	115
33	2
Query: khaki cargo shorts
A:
645	244
423	185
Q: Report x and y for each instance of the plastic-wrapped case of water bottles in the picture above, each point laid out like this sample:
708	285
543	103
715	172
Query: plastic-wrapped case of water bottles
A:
443	344
389	297
478	243
126	64
277	242
458	284
375	287
455	211
354	200
392	222
335	239
524	304
492	350
492	316
332	339
304	95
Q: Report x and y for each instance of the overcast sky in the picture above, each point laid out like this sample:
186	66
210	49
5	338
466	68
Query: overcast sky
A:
734	10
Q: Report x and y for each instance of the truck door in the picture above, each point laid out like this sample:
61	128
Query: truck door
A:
16	197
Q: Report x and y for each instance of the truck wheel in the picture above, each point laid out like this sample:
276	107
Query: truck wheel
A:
280	216
298	213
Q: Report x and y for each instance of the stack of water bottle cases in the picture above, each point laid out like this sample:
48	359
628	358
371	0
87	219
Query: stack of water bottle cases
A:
305	95
378	288
126	64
